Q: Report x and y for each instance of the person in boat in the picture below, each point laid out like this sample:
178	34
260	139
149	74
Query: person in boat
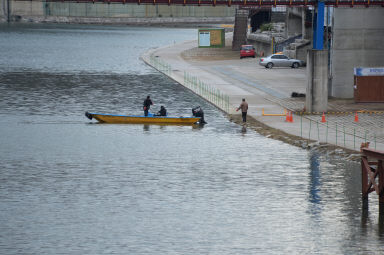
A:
162	112
146	105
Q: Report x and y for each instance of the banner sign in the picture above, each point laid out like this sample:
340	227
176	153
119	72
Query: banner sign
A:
368	71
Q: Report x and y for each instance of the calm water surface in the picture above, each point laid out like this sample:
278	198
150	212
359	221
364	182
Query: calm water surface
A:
71	186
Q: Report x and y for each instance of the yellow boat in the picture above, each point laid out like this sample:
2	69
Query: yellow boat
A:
136	119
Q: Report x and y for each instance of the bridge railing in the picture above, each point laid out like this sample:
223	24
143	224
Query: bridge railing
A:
241	3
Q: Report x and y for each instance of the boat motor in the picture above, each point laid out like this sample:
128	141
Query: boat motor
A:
198	112
89	116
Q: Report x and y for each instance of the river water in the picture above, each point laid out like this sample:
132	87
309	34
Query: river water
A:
71	186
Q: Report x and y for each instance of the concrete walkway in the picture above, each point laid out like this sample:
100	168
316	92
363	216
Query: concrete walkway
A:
221	71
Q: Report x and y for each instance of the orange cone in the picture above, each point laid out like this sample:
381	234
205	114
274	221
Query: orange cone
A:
287	117
291	117
356	117
323	118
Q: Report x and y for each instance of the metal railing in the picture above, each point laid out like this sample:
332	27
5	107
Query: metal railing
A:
193	83
210	93
347	134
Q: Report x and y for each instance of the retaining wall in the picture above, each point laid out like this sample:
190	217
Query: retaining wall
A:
39	11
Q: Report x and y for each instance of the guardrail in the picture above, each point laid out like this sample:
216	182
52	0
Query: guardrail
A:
160	65
346	133
210	93
193	83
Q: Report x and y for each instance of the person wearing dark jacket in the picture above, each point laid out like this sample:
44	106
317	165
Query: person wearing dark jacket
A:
162	112
146	105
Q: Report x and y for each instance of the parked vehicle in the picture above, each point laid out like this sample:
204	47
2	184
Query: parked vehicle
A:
280	60
247	51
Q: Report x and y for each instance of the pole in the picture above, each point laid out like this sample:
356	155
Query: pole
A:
8	11
336	134
319	27
364	184
301	125
310	126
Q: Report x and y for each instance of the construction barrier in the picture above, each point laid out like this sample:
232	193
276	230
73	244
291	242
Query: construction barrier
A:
274	114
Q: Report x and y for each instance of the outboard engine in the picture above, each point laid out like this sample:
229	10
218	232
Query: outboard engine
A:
198	112
88	115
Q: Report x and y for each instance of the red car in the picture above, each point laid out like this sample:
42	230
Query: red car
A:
247	51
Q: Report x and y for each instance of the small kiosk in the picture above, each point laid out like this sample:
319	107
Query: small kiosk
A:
211	37
369	84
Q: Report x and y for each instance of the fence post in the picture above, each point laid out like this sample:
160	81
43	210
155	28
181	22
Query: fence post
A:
310	126
301	126
364	183
336	133
318	132
365	136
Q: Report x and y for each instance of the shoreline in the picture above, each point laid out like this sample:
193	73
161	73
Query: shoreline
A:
262	128
271	127
280	135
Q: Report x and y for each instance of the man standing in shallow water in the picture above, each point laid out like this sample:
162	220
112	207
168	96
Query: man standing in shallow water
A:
244	108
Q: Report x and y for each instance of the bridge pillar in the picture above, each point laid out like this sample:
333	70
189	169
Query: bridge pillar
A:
240	29
317	66
316	99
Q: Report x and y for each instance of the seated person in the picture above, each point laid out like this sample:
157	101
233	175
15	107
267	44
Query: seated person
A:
162	112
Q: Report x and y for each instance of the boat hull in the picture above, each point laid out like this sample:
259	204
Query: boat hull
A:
133	119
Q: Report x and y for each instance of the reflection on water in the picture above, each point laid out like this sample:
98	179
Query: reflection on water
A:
315	184
71	187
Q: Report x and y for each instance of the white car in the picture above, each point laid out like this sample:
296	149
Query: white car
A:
280	60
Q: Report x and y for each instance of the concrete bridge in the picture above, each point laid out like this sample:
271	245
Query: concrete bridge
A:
240	3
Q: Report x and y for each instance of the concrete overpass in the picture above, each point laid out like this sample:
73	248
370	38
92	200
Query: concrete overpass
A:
240	3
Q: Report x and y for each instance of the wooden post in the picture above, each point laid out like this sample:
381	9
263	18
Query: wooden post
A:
364	183
380	170
372	176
